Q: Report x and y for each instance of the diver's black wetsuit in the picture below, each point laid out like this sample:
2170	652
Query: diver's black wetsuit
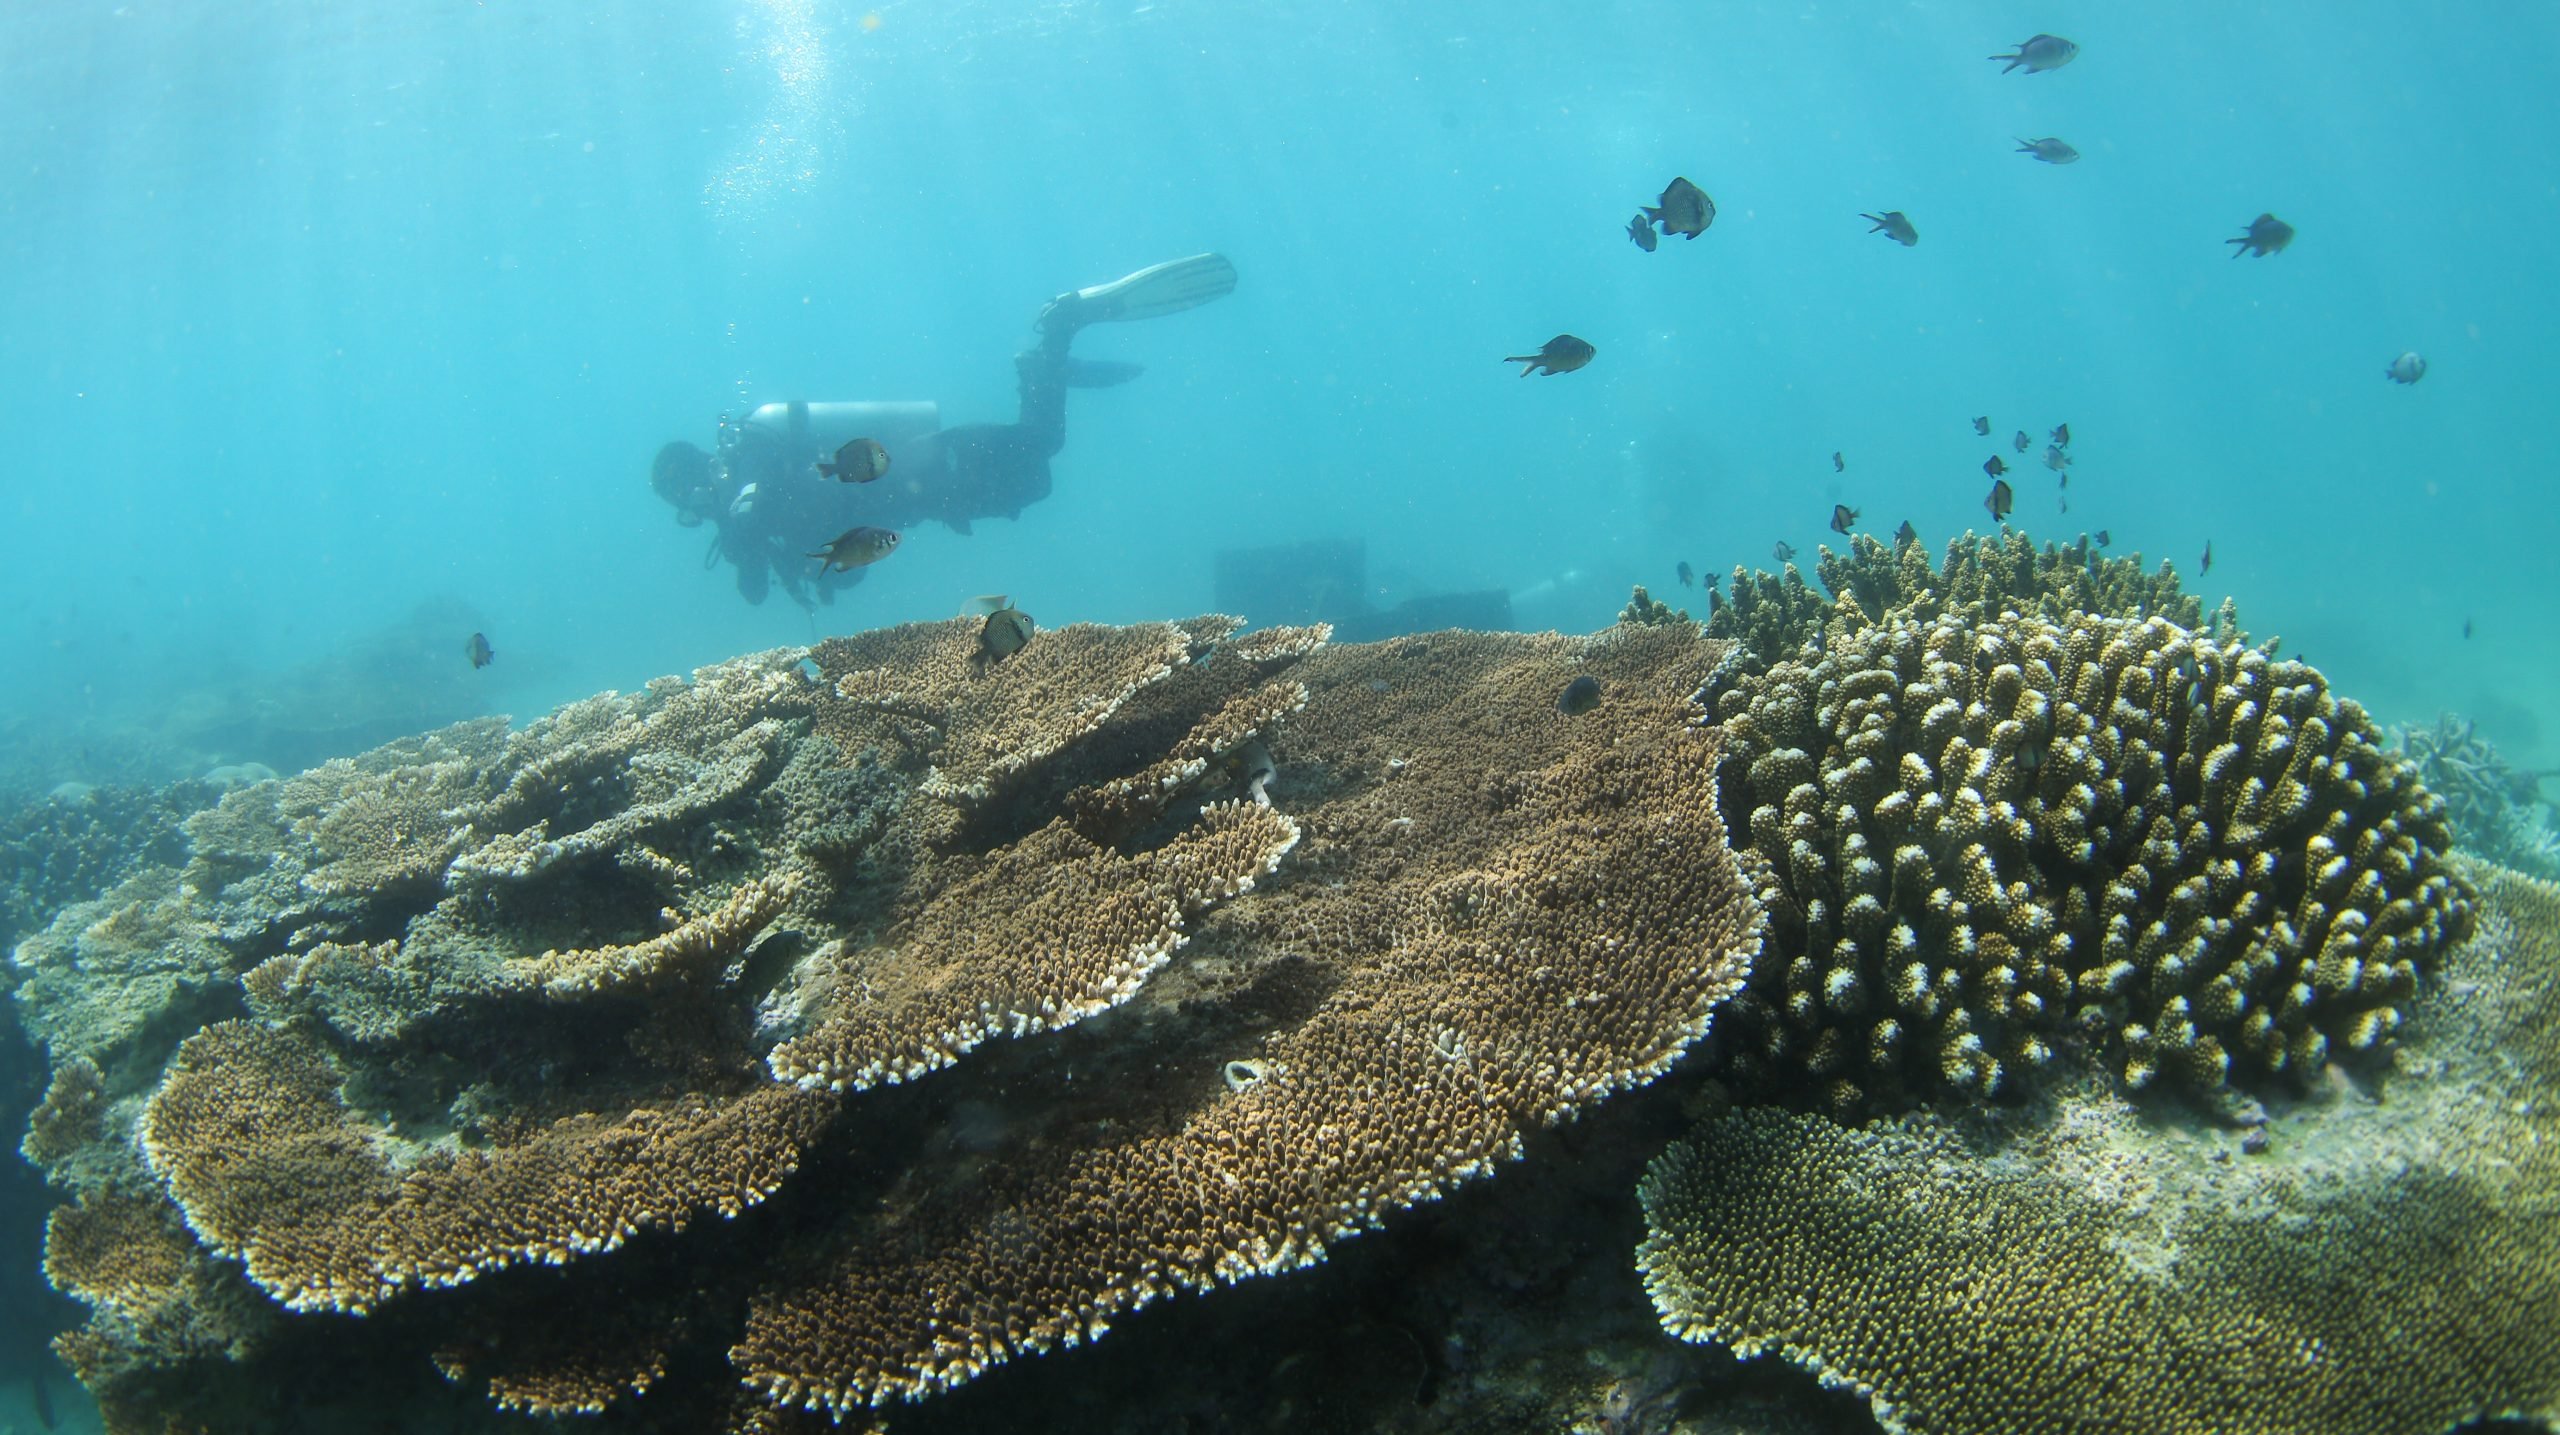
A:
968	472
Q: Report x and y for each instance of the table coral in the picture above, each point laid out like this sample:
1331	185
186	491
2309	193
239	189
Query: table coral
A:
1506	916
252	1138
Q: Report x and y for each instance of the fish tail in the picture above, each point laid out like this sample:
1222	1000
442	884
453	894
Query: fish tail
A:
826	470
1651	214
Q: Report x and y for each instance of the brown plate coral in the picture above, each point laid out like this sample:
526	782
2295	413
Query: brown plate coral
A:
917	1014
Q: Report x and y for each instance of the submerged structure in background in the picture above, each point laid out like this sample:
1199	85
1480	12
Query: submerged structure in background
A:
763	1050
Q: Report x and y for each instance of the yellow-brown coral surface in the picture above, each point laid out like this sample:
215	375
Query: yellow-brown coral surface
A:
1774	615
1987	839
1501	914
554	1066
2384	1267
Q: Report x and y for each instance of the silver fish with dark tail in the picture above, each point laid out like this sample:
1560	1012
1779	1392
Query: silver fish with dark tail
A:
2267	235
2039	54
1894	225
856	547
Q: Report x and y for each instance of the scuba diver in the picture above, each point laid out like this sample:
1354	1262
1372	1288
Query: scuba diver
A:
770	505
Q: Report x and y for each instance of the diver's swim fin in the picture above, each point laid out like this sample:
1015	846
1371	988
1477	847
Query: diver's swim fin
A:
1157	290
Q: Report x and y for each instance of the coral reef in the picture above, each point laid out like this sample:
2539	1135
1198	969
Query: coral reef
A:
582	1065
1984	838
2378	1267
74	845
1775	616
2497	811
1500	917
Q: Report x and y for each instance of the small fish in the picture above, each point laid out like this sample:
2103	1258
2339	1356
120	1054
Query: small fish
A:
984	604
2051	151
2000	499
2206	564
1838	464
1982	426
2062	435
2407	369
1687	575
1561	355
1842	515
2466	628
2064	500
2021	441
2041	53
2057	460
2104	538
1579	696
1894	226
1906	535
1785	552
1640	229
855	547
1004	634
859	461
2267	235
1684	209
1995	466
478	650
1712	580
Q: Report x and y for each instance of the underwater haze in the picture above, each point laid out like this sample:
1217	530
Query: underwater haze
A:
338	333
336	339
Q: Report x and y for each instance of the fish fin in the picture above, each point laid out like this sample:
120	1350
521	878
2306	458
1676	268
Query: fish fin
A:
1651	214
826	470
957	525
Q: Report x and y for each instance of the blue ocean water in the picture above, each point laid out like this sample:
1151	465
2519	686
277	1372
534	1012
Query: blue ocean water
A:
353	328
320	313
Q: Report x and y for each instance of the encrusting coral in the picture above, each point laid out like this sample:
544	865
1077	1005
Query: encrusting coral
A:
2380	1267
1983	839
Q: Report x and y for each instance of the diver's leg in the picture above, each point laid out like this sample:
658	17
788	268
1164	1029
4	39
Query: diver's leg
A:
1041	380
